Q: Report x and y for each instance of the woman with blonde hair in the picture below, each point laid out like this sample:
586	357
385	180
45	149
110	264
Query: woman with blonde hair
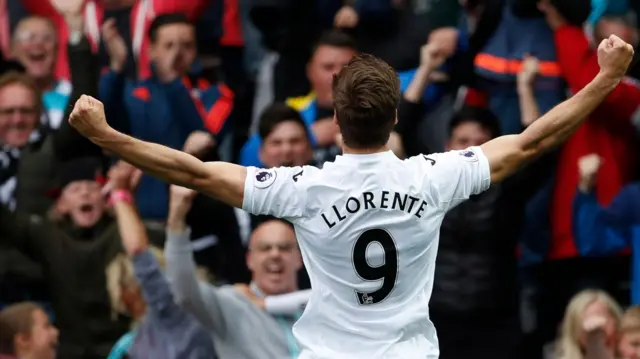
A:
589	327
137	286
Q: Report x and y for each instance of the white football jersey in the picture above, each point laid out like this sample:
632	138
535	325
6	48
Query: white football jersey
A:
368	229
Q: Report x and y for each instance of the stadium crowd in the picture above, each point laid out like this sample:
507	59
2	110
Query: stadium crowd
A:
100	261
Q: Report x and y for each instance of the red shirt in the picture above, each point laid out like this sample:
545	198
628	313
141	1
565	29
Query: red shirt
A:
231	25
608	132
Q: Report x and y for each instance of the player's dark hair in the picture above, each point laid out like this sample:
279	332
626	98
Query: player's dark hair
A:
166	19
276	114
335	38
366	93
480	115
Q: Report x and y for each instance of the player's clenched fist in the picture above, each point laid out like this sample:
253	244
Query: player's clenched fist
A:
88	117
614	57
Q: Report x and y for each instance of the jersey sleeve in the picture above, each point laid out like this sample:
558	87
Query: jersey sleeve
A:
276	192
454	176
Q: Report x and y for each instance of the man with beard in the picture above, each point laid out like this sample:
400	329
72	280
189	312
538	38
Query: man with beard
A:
74	245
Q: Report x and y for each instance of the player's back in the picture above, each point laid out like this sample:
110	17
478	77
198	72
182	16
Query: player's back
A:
368	230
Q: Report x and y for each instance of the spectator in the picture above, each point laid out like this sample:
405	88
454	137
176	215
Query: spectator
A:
19	119
589	327
606	230
30	153
25	332
233	317
34	47
167	107
629	334
285	138
138	288
74	245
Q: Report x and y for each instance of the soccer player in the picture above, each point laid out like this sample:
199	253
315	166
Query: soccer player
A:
367	223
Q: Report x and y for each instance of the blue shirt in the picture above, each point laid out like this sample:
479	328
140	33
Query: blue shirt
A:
601	231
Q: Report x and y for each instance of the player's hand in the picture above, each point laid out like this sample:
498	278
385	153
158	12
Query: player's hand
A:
198	143
432	56
346	17
88	117
529	71
554	18
614	57
115	45
588	167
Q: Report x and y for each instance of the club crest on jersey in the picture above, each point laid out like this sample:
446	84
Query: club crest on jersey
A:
468	155
265	178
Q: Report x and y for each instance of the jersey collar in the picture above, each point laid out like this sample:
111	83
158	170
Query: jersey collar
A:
364	158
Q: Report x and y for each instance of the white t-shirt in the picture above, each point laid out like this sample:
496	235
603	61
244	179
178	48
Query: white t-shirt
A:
368	229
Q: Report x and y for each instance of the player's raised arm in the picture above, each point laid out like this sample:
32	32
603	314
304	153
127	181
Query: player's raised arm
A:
507	153
221	180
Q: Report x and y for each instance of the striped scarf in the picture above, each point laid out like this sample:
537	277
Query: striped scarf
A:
9	163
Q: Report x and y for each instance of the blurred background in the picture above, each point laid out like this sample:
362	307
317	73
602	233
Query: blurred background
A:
99	261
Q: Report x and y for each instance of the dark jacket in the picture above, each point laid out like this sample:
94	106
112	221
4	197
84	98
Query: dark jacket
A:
74	262
39	160
477	261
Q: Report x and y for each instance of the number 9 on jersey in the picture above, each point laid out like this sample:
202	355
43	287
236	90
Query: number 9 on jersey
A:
387	271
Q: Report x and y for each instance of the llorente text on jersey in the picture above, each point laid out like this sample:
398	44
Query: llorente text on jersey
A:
383	200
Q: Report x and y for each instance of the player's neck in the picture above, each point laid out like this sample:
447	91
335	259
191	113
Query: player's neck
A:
363	151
